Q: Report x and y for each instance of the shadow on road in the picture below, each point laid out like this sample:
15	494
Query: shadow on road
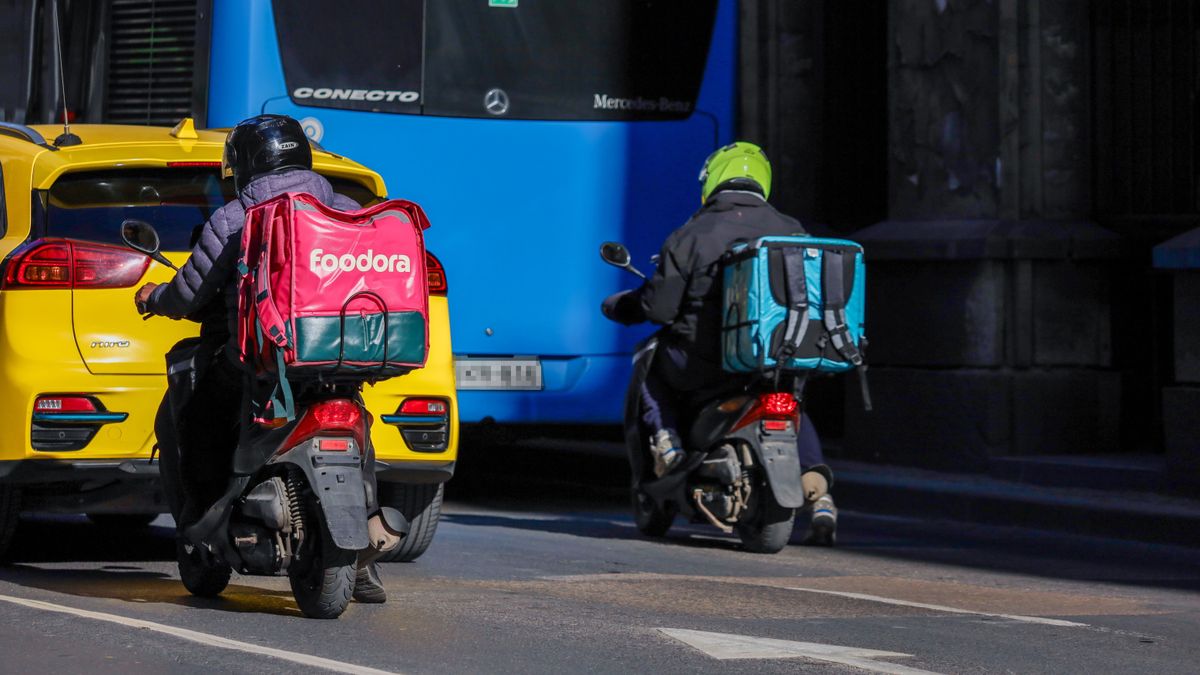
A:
69	539
138	585
571	479
580	488
609	526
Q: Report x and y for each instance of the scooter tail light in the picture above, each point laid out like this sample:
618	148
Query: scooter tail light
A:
778	404
335	417
340	413
776	410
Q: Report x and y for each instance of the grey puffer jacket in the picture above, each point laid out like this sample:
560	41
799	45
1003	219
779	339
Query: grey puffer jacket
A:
212	268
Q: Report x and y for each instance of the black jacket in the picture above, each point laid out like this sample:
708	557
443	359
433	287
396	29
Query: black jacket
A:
685	291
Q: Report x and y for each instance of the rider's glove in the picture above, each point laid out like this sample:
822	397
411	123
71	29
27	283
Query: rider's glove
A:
623	307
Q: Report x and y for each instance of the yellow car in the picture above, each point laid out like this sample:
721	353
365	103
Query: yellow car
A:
82	375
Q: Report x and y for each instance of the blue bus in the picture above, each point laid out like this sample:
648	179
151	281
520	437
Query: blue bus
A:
530	130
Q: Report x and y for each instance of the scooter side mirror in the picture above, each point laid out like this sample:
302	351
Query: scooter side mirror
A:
142	237
615	254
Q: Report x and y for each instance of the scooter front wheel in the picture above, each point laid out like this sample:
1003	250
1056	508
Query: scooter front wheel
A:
202	578
652	519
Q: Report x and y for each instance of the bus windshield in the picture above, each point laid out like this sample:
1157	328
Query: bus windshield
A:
536	59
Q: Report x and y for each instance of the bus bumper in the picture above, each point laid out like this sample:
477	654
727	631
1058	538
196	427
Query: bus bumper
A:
579	390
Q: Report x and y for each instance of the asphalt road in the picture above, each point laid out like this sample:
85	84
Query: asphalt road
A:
537	568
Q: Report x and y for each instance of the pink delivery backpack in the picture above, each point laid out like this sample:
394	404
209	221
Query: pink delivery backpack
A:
339	296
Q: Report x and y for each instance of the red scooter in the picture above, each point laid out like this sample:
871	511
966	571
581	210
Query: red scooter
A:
296	503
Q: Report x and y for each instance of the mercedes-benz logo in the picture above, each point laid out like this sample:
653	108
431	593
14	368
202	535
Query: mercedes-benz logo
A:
496	102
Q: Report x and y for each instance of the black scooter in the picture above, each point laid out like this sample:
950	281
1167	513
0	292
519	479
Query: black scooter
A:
296	503
742	470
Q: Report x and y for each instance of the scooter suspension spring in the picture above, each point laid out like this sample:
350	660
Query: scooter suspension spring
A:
293	488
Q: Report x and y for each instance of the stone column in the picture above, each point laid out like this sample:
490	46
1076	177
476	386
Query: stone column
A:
988	307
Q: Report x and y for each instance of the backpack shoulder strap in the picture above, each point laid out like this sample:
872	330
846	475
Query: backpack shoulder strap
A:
796	293
833	290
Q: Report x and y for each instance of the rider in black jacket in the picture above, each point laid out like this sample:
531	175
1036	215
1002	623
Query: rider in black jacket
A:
684	295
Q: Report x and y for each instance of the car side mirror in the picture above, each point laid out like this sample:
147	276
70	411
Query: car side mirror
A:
141	236
617	255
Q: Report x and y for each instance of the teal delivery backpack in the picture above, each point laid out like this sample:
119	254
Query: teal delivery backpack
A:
794	304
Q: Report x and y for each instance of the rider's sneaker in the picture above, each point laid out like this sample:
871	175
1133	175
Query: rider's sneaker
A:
666	450
823	531
367	585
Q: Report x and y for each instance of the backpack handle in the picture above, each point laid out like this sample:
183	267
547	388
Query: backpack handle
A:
371	295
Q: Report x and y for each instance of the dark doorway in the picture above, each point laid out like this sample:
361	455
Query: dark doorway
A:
1145	80
1146	70
852	180
814	83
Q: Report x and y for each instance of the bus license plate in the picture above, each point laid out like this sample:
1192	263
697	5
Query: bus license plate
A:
498	374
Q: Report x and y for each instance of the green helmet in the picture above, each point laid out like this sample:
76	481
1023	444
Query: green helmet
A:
737	166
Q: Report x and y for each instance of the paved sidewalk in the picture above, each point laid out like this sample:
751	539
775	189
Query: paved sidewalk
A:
901	491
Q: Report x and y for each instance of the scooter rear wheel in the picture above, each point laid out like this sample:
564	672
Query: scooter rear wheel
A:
323	587
651	519
771	528
202	579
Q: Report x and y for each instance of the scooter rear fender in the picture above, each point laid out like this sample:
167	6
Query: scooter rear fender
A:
336	478
777	454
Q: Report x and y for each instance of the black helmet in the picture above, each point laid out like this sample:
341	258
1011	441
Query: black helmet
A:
264	144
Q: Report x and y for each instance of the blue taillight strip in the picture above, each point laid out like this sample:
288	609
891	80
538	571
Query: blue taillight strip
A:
81	418
414	419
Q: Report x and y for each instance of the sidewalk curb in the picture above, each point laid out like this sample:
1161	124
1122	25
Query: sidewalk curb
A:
975	499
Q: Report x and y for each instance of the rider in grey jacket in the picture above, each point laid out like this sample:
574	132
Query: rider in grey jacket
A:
266	156
211	267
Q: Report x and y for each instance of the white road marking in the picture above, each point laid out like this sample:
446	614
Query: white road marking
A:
942	608
202	638
647	576
725	646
